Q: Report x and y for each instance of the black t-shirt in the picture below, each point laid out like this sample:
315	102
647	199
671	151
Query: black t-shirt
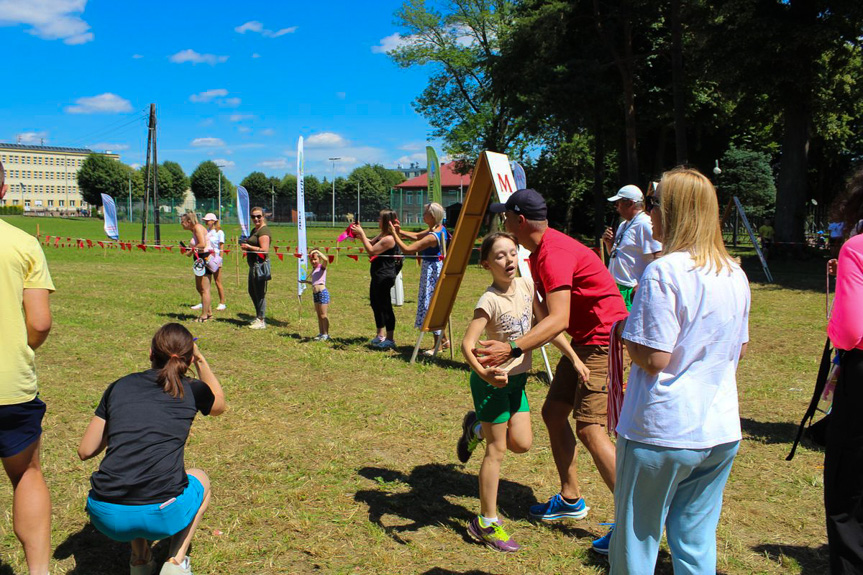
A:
387	266
147	431
255	240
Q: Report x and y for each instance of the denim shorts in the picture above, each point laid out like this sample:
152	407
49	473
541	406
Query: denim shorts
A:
151	522
321	297
20	426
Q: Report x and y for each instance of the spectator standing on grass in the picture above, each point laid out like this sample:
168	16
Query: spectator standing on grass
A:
142	491
679	428
843	461
578	296
429	245
257	250
632	247
765	235
200	251
216	238
25	320
386	263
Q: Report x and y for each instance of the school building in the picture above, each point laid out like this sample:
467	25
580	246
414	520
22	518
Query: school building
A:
44	178
409	197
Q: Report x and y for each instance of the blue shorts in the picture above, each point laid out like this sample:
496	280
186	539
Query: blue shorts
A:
321	297
20	426
150	522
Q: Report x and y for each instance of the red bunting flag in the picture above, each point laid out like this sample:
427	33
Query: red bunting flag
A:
276	249
142	247
361	249
101	245
298	256
170	248
354	257
326	249
47	238
89	243
331	258
68	239
227	251
281	257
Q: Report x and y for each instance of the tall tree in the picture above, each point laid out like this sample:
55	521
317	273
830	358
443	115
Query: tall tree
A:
100	174
464	101
204	182
179	183
257	184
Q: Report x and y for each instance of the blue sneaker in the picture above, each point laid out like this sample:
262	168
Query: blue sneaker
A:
557	508
385	344
601	545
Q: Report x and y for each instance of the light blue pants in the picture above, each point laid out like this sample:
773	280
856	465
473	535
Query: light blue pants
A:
676	489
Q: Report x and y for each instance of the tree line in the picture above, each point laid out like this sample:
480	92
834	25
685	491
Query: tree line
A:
593	94
100	174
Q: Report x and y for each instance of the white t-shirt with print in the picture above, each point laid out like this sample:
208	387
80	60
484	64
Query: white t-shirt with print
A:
634	248
214	239
702	320
510	315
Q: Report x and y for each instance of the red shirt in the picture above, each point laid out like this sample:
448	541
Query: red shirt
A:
596	303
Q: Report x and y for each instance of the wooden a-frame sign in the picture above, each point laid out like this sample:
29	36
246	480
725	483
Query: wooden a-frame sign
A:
491	173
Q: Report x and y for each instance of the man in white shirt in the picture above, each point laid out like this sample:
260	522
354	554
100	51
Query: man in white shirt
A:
633	246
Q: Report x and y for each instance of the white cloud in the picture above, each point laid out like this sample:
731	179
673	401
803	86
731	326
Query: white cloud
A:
32	138
392	42
208	95
136	56
224	164
230	102
108	146
419	157
240	117
135	166
412	146
341	95
106	103
196	58
256	55
279	164
326	140
244	129
258	27
48	19
206	122
207	142
267	132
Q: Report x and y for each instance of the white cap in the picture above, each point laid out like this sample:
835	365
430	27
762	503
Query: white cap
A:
629	192
211	217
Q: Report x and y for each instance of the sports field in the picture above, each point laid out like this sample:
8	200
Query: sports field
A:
334	458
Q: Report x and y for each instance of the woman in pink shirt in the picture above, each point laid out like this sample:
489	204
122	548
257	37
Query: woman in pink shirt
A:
843	461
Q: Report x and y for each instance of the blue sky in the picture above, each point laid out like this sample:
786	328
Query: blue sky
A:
236	82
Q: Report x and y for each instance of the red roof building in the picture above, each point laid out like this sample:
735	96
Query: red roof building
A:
408	198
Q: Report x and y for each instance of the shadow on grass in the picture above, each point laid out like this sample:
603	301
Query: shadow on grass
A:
426	503
404	352
5	569
442	571
806	273
95	553
769	431
811	560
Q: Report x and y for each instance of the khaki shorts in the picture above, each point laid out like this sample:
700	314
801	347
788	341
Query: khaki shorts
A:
589	400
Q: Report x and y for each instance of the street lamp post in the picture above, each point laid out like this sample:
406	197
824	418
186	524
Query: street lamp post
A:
333	160
220	166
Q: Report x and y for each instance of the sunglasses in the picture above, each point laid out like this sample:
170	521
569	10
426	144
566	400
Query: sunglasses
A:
651	202
258	217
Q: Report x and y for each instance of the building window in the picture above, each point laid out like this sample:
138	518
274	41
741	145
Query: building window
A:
71	203
14	202
61	203
50	203
409	198
38	203
26	203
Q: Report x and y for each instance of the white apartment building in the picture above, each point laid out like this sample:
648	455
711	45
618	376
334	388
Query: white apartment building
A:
44	178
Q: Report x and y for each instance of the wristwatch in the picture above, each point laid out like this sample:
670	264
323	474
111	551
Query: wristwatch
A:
515	351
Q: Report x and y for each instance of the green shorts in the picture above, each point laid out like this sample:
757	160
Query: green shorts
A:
628	293
498	404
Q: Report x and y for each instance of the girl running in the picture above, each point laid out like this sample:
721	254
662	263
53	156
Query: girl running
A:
502	415
320	295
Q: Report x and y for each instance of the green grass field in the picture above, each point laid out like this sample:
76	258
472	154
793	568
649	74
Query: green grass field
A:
334	458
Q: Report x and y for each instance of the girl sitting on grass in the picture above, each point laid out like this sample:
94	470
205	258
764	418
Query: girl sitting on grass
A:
502	415
320	294
142	491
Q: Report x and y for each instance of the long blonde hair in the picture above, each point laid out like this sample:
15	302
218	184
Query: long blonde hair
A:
690	218
321	257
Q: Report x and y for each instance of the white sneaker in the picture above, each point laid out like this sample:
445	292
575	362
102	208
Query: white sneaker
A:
221	307
258	324
197	306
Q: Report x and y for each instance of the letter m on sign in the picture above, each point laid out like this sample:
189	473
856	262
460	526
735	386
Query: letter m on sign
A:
505	184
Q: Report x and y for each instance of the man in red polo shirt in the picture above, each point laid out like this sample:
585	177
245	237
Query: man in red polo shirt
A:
578	296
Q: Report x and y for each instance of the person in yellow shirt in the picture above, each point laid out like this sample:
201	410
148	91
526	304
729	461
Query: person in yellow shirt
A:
25	320
765	234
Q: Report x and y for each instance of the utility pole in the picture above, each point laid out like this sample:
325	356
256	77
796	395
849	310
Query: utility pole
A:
151	178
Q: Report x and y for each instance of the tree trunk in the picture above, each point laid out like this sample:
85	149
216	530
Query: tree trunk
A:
791	191
599	201
679	84
627	72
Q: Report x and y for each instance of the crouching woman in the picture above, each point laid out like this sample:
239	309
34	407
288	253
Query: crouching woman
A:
142	491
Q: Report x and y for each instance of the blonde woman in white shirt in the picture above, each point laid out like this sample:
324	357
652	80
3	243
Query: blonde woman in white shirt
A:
679	426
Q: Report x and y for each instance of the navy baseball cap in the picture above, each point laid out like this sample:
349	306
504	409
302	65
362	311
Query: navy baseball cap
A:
527	203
